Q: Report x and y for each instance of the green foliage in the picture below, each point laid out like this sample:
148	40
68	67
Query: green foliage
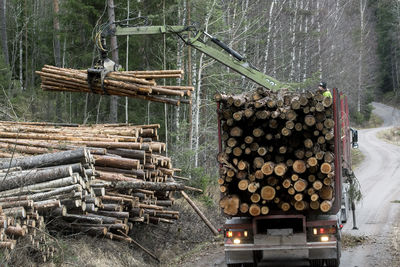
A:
358	117
202	180
367	111
391	98
355	191
385	26
5	74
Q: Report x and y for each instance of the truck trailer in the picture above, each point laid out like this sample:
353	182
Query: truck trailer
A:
303	237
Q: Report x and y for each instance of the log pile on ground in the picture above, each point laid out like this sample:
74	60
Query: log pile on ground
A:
136	84
117	179
48	185
278	152
20	220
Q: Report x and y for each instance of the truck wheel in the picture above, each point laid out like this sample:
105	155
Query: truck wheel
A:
316	263
242	265
332	263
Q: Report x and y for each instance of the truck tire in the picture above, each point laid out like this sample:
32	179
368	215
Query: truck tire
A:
242	265
316	263
332	263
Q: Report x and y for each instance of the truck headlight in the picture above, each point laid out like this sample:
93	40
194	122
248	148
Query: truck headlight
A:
324	238
236	241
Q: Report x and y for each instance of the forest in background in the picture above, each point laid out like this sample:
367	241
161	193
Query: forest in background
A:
353	45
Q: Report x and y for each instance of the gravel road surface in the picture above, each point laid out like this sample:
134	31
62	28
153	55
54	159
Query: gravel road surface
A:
378	217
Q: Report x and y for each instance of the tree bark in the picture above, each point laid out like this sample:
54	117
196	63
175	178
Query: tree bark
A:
114	51
3	25
52	159
201	215
34	176
56	27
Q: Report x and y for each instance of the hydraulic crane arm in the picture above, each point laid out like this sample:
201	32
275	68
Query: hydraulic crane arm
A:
229	58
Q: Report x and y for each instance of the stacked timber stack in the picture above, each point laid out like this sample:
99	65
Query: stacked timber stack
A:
132	179
27	226
278	153
64	188
136	84
32	188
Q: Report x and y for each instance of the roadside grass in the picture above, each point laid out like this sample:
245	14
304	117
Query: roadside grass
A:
195	253
77	250
357	157
391	135
395	245
351	241
374	122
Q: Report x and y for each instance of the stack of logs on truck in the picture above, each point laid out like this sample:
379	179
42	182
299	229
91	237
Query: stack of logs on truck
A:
278	153
98	180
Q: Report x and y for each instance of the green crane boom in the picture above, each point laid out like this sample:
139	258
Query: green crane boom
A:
228	57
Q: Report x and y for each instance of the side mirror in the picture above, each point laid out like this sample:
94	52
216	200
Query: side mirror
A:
354	139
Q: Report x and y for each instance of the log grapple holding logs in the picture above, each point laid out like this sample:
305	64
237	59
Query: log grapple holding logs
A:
99	180
278	153
135	84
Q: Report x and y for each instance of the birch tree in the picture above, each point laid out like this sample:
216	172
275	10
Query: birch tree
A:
56	26
363	5
114	52
198	88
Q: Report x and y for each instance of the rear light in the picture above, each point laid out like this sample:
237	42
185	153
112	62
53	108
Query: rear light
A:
323	230
229	234
324	238
238	236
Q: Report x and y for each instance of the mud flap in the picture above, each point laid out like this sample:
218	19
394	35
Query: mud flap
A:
289	247
245	256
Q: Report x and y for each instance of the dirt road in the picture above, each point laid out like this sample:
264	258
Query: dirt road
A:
377	216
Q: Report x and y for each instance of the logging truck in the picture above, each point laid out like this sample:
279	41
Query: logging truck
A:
296	230
299	235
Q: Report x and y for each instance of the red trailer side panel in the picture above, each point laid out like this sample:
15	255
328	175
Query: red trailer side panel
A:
338	151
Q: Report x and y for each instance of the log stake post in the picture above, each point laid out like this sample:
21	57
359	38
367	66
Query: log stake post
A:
353	209
201	215
140	246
